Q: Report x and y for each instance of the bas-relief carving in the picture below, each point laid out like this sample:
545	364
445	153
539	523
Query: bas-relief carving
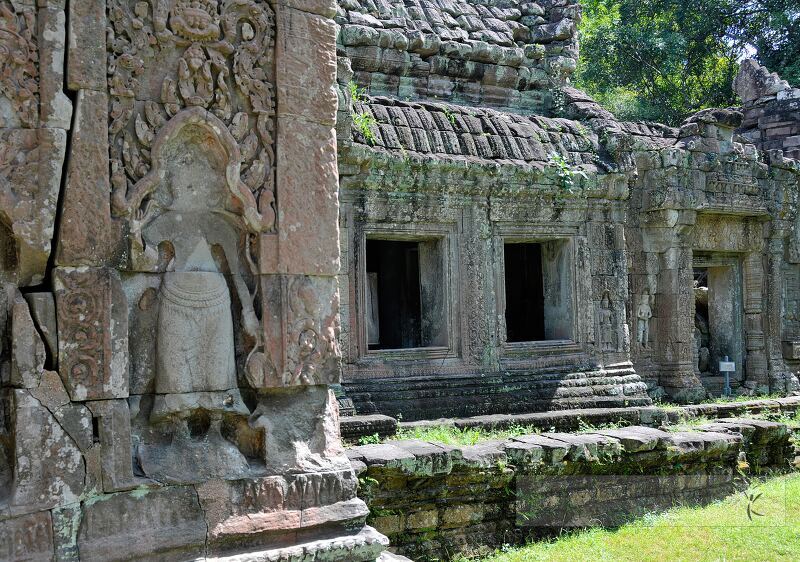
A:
192	119
166	57
19	86
644	312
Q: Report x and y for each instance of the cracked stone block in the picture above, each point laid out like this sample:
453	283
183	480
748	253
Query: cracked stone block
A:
43	310
48	469
27	348
85	232
92	333
30	180
160	524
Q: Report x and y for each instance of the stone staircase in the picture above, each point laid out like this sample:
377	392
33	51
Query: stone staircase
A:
508	392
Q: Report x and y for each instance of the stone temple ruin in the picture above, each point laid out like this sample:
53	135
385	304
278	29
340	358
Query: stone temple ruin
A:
213	212
509	246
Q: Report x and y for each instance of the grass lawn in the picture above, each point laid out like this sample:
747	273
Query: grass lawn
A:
721	531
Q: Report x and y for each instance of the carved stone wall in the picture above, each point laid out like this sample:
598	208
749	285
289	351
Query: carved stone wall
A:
169	303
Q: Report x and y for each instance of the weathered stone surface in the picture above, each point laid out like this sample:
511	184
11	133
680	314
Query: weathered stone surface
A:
113	420
307	191
285	416
92	333
86	66
27	348
85	235
306	91
485	498
29	537
166	524
272	511
48	467
43	311
30	177
299	316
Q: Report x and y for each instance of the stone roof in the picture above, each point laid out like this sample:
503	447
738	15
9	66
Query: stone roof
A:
482	52
444	130
506	24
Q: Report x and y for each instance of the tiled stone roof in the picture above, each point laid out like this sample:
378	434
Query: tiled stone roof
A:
448	130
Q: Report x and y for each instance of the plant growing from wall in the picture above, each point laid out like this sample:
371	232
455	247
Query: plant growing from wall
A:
565	174
363	120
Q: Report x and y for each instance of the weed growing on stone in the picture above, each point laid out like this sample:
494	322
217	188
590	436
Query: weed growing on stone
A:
363	120
373	439
565	173
450	115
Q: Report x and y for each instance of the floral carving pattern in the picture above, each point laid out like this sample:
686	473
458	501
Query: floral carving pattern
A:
18	63
169	55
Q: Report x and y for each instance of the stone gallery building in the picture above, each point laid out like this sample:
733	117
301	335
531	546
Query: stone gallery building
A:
213	212
510	246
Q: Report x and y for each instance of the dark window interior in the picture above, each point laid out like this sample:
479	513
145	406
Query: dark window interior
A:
396	265
524	293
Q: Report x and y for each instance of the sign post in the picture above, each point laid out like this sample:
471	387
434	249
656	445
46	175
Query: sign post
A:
727	367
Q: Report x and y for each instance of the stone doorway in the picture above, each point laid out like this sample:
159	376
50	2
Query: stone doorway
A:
718	319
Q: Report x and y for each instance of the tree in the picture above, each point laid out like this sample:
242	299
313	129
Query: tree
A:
665	59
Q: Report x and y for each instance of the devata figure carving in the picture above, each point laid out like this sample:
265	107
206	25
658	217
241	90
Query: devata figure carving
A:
190	188
644	313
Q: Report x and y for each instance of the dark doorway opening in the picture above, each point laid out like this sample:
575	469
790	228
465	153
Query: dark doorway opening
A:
393	282
524	292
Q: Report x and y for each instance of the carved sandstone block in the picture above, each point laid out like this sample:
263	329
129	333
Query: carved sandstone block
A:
156	524
92	333
31	84
308	199
86	67
300	330
85	230
30	178
27	538
55	107
322	7
306	90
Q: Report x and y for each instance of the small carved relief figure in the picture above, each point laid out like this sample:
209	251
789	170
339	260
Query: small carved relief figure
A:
606	324
644	312
703	359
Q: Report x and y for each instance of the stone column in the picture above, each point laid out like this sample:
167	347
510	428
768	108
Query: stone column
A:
757	373
669	234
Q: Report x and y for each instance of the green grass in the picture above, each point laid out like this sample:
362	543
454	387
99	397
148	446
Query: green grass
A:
721	531
450	435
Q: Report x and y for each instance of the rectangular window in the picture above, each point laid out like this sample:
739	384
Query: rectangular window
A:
538	291
405	306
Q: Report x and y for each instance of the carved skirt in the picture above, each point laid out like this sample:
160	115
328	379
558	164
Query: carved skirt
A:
195	350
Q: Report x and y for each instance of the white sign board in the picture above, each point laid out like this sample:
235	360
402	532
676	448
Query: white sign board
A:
727	367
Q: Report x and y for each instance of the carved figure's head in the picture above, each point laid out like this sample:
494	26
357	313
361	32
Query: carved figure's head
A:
196	20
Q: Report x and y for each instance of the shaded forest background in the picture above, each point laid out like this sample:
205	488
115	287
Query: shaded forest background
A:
661	60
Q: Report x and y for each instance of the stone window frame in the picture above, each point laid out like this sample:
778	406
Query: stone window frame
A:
526	234
447	237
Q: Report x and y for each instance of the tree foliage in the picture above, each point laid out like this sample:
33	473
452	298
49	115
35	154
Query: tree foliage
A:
664	59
